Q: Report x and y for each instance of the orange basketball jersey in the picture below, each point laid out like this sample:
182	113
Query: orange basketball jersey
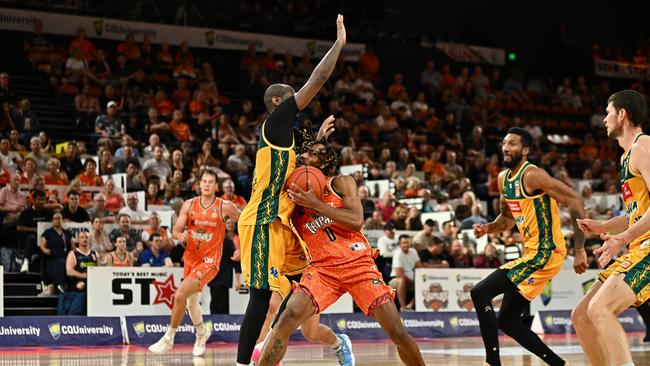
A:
206	232
328	242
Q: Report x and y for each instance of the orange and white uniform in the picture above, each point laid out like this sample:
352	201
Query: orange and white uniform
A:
205	241
340	260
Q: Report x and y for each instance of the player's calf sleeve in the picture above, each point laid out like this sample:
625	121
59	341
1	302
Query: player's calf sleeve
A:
258	306
194	309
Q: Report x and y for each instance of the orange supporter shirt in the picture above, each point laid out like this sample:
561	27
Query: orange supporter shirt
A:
437	169
131	51
164	107
370	63
54	181
86	47
180	129
90	181
4	177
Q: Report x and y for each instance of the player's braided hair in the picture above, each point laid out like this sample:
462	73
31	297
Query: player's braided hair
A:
328	156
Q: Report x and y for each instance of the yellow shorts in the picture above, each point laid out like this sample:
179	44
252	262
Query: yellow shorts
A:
531	272
636	266
269	253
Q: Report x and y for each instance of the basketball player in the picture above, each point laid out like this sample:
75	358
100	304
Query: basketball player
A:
264	231
625	282
201	225
529	198
340	261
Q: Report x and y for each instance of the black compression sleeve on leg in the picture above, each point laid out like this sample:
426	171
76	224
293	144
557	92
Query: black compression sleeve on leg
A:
511	323
482	295
258	306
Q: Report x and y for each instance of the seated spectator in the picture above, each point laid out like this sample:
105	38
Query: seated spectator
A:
11	160
5	175
405	262
178	127
28	224
425	237
131	209
70	163
153	194
98	209
155	228
460	254
29	172
37	154
434	255
476	217
129	48
12	201
156	166
72	212
400	216
85	200
387	245
135	179
487	259
205	156
73	301
162	104
229	194
54	175
120	257
106	166
413	220
26	120
238	165
99	241
51	197
76	68
89	177
449	231
133	243
387	205
374	222
367	204
88	51
155	256
109	123
127	141
14	139
55	244
127	156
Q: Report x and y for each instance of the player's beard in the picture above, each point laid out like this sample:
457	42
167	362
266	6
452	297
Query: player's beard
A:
514	160
616	132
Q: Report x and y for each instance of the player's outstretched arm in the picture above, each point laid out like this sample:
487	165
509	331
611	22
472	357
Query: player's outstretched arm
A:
179	232
503	222
538	179
230	211
322	72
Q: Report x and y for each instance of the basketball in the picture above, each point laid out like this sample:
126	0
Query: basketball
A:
303	174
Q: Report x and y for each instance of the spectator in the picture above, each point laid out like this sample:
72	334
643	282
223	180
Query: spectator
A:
369	62
54	175
127	140
89	177
476	217
99	241
400	216
133	243
449	231
153	194
131	209
156	166
163	106
29	171
85	199
120	257
39	157
460	254
86	47
487	259
127	156
55	244
238	165
425	237
413	220
434	255
11	160
70	163
405	262
28	224
98	209
14	140
106	166
135	179
12	201
367	204
155	256
155	228
387	245
73	301
5	175
179	129
590	202
114	199
109	123
26	120
72	212
229	194
374	222
220	285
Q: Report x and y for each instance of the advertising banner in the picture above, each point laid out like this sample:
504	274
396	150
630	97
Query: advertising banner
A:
623	70
60	331
2	295
473	54
132	290
112	29
447	289
559	322
564	291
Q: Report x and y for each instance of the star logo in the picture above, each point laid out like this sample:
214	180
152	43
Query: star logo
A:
165	292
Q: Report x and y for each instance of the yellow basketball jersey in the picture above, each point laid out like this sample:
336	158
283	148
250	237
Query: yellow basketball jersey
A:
537	217
635	195
273	165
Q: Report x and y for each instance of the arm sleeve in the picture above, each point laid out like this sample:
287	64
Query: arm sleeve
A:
278	128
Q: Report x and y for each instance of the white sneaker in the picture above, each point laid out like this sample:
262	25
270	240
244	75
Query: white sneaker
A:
164	345
201	340
25	267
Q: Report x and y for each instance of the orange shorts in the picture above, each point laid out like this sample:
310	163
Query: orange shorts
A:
360	278
201	271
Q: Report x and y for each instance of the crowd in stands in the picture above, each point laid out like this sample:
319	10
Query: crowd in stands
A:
159	118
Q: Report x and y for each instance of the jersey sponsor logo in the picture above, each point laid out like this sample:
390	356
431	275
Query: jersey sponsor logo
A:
208	223
626	264
357	246
627	191
517	189
201	235
514	206
318	222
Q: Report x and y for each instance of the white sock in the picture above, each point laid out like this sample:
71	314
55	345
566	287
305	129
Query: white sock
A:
338	343
171	333
241	364
628	364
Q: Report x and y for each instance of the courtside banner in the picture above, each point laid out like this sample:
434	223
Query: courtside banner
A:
564	291
132	290
60	331
112	29
559	321
448	289
147	330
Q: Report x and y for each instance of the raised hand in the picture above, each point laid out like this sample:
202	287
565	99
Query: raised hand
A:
326	128
611	246
340	30
479	230
589	226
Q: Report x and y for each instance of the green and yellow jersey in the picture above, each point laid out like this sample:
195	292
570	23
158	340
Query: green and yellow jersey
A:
635	196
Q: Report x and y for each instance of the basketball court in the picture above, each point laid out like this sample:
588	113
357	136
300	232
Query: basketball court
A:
447	351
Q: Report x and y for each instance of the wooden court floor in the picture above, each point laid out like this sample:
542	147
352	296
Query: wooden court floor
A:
447	352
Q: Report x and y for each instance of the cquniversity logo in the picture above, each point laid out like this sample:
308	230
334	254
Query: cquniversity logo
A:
342	324
208	325
55	330
453	322
139	329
